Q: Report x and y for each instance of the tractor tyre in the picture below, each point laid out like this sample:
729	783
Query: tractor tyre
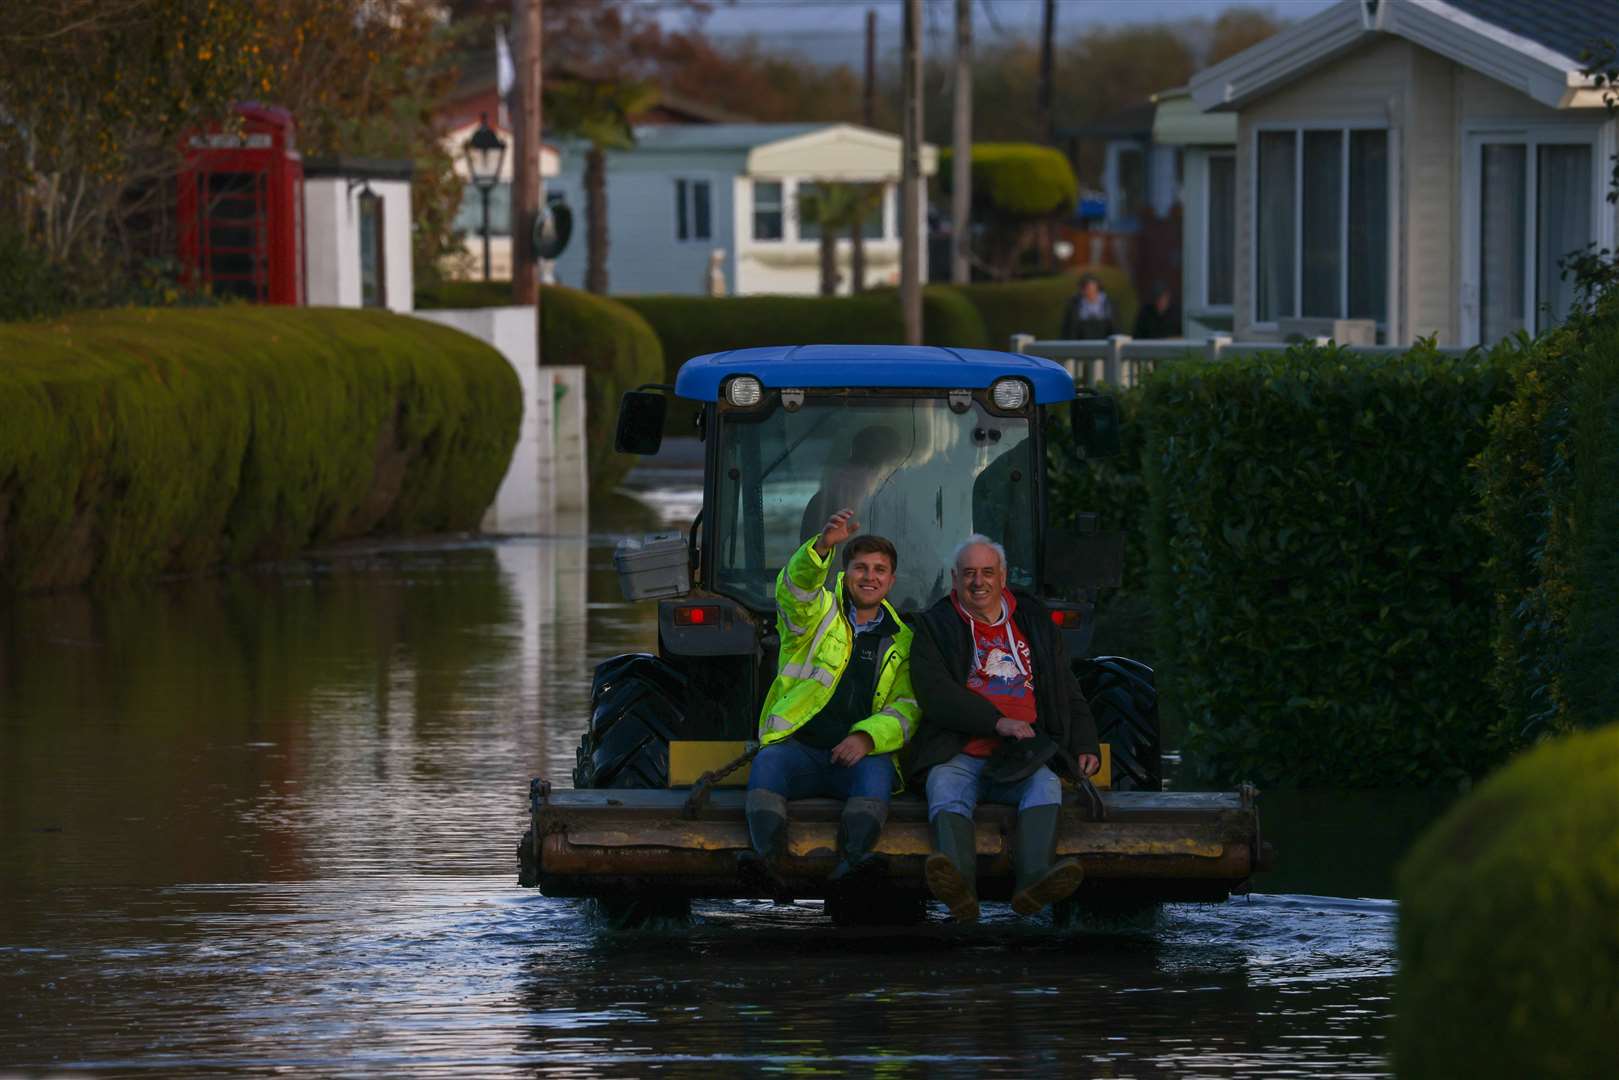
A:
636	708
528	871
1124	700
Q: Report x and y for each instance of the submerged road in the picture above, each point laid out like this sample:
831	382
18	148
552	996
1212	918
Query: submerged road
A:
266	822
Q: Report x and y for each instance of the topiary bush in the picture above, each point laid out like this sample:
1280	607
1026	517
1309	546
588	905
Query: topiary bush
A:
464	294
139	442
1550	470
1016	180
1508	939
619	352
1317	565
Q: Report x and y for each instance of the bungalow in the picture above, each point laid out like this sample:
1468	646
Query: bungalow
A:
1415	167
689	196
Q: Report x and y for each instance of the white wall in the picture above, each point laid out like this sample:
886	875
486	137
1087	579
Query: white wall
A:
332	243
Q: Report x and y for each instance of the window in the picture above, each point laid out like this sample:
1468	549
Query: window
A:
1535	198
767	210
469	218
1321	224
373	275
1221	222
693	210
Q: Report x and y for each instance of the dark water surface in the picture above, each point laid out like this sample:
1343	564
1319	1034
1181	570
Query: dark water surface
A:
266	823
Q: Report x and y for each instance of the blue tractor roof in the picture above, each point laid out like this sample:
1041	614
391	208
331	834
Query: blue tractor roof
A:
884	366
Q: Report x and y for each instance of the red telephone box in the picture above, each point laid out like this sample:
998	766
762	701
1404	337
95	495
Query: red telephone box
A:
240	208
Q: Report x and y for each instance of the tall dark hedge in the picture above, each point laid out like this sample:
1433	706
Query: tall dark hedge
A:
619	352
1036	305
138	442
1551	472
1317	561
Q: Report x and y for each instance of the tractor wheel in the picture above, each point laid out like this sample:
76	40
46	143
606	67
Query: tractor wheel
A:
1124	700
528	871
636	709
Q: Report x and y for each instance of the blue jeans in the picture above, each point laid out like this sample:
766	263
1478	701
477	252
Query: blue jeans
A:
796	771
957	785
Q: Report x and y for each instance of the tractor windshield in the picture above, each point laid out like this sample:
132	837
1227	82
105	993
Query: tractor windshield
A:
913	469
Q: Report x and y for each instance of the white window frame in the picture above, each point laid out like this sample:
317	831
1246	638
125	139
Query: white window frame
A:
690	181
1598	134
1395	209
789	220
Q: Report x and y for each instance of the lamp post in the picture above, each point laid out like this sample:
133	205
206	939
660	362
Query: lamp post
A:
485	152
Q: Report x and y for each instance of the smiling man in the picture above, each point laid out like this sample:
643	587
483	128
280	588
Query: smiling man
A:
840	707
1005	718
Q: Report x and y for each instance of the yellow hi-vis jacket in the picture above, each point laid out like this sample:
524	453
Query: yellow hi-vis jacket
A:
816	642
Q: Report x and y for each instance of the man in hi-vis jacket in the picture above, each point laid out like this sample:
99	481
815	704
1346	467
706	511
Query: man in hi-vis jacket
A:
841	705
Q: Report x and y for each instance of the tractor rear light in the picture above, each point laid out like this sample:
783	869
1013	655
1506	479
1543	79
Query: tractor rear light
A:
698	615
1009	394
1067	618
744	392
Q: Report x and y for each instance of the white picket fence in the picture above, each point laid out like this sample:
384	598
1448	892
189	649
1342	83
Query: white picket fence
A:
1120	360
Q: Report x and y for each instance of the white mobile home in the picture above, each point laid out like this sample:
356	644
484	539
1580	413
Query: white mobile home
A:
1422	165
685	192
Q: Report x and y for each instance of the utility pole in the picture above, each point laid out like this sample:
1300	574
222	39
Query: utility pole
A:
961	180
911	240
526	189
1048	124
870	113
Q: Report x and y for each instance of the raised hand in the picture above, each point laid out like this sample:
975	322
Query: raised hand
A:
839	527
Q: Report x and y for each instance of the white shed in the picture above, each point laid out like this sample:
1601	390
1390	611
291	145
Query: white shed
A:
357	233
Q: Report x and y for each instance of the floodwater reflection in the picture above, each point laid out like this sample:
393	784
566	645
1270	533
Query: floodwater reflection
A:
267	822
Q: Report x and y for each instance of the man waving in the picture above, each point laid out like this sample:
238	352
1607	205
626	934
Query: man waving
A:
840	707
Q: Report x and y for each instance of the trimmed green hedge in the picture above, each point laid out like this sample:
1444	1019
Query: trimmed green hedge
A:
1036	305
1508	937
1317	565
1016	180
465	294
619	352
138	442
1551	470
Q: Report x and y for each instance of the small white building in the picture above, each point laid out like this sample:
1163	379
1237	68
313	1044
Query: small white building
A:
467	264
686	191
1422	165
357	233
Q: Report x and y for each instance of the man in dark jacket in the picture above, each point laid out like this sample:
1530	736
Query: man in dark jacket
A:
1003	717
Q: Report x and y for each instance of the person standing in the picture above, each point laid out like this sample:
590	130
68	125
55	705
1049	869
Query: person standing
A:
840	707
1089	314
1006	718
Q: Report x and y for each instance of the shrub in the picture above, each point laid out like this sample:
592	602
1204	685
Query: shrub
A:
1317	565
140	442
619	352
1036	305
465	294
1508	944
30	287
1550	470
949	318
1016	180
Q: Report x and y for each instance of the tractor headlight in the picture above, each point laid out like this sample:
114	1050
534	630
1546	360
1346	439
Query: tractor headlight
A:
1009	394
744	392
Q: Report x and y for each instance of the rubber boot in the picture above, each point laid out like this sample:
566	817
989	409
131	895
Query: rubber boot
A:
759	867
1040	880
858	830
952	870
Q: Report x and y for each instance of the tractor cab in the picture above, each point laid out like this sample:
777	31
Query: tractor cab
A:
928	446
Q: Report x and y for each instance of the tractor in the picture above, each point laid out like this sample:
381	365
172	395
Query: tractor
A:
928	445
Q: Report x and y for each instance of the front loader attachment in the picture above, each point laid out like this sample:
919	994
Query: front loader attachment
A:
629	843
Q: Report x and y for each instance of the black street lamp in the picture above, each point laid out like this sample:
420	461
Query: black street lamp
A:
485	153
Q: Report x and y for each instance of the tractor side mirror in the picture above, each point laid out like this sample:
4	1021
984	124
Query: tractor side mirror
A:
1094	420
640	422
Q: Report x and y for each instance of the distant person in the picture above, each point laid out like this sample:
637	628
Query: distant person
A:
1158	317
715	278
839	709
1090	312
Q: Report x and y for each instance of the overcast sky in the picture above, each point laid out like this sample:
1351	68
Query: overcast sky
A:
832	31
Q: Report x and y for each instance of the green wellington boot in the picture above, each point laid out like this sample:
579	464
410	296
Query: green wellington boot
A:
952	869
1040	880
858	829
759	867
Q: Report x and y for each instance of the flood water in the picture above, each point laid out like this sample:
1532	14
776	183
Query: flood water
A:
266	823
